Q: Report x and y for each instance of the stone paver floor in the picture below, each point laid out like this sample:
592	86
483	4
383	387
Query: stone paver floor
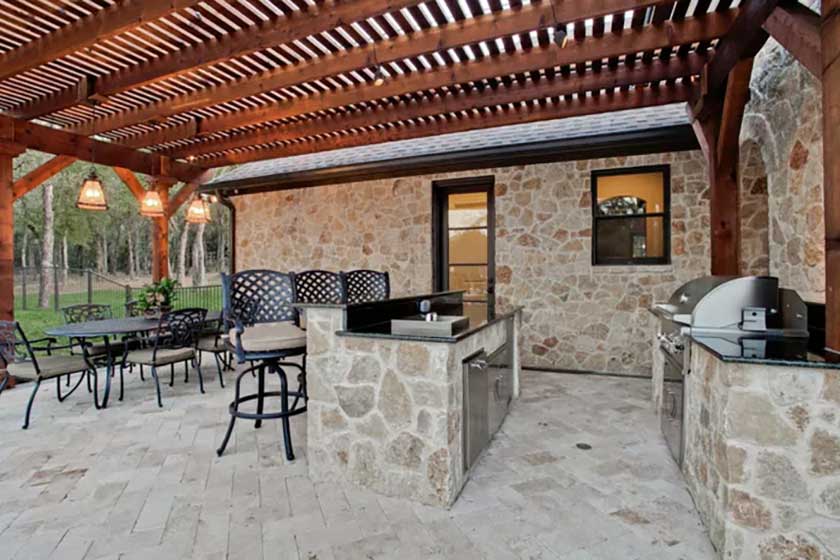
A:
135	481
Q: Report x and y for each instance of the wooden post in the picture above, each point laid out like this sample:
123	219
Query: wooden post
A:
8	151
160	234
830	34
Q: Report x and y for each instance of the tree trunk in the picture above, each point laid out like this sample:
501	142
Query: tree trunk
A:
199	268
182	252
132	264
24	248
65	260
47	247
222	249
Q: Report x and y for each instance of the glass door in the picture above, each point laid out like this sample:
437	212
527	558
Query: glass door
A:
464	259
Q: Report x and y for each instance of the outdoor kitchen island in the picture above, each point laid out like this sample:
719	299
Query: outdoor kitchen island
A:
754	419
390	412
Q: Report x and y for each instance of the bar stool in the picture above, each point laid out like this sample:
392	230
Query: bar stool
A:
259	310
362	286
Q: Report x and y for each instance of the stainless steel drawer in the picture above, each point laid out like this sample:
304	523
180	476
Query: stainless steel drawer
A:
500	386
476	433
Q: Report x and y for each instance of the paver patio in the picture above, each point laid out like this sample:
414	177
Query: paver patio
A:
135	481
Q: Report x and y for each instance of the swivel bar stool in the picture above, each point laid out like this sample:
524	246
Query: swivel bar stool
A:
259	311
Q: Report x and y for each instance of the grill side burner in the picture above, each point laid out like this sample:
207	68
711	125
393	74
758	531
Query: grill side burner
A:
727	307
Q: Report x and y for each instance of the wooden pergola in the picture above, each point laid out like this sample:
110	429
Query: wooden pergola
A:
174	88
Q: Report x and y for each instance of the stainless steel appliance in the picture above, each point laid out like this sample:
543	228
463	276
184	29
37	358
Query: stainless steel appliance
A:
741	311
488	392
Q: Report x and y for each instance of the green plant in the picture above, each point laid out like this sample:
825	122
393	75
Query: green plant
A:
157	295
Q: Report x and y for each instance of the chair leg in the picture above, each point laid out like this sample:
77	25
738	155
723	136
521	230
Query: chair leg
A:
62	398
171	375
284	407
157	386
142	378
122	382
4	381
234	408
186	372
219	368
90	390
260	394
29	404
197	364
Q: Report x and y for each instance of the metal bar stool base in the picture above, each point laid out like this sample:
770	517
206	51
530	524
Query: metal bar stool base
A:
284	394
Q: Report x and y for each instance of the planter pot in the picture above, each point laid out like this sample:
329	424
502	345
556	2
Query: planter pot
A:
156	312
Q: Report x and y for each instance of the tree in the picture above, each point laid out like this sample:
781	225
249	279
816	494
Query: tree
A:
199	267
47	247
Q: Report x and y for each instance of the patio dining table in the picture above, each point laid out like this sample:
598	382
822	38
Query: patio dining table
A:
105	329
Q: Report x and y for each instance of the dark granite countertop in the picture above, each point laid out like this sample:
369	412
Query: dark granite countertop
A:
772	351
383	330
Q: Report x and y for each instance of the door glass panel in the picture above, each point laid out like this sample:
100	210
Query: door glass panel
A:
468	210
468	246
472	279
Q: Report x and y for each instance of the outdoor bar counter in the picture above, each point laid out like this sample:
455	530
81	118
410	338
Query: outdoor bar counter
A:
386	411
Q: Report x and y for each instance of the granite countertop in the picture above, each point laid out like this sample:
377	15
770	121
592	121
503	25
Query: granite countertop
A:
369	303
383	330
774	351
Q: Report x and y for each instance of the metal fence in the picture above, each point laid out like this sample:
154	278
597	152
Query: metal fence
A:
206	297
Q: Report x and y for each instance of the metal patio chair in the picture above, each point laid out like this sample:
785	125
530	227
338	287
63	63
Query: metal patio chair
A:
38	369
212	341
364	285
85	312
175	341
264	330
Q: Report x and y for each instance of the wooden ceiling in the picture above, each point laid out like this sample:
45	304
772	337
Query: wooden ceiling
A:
217	82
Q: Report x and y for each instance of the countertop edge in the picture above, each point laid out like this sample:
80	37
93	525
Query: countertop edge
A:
390	300
764	361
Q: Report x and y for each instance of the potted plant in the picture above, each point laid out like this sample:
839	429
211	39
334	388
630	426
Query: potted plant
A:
158	297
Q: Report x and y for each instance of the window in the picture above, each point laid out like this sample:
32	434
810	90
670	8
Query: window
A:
631	216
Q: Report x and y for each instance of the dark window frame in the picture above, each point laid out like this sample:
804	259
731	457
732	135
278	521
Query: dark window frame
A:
440	246
665	259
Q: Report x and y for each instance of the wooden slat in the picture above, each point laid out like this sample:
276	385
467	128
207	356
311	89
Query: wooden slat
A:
449	36
454	102
50	140
632	99
831	166
132	182
40	174
797	28
689	31
98	26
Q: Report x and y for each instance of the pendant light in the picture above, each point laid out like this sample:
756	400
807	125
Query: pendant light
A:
152	206
92	194
198	212
379	75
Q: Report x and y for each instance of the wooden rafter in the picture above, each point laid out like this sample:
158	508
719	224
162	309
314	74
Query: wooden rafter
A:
98	26
797	28
617	101
40	174
450	36
132	182
684	32
456	102
830	33
279	30
45	139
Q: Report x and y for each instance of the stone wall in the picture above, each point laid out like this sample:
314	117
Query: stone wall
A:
576	316
763	458
784	120
755	238
386	414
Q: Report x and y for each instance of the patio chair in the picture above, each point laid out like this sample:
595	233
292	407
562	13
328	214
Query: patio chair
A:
30	367
363	285
175	341
259	308
85	312
212	341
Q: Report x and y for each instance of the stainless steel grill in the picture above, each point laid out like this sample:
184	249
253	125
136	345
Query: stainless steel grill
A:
739	311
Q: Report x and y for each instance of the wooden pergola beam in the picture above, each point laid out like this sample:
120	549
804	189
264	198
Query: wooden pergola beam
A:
830	36
797	28
265	34
688	31
115	19
132	182
51	140
457	101
582	105
40	174
471	31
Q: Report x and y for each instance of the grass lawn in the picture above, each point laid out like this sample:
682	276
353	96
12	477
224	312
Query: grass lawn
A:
34	319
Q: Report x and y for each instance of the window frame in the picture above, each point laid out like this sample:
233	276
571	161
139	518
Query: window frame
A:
665	259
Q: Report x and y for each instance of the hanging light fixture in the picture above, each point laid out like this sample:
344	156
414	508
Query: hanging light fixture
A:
152	206
379	76
198	212
92	194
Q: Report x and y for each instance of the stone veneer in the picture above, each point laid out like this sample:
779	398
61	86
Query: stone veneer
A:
762	457
576	316
386	414
784	120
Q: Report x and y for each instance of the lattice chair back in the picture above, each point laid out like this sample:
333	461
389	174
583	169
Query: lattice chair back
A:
86	312
259	296
183	326
319	286
366	285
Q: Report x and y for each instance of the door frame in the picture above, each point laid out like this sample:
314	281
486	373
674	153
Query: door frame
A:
440	249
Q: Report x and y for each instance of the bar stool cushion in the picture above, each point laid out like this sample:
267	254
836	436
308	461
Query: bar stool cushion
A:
51	366
266	337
